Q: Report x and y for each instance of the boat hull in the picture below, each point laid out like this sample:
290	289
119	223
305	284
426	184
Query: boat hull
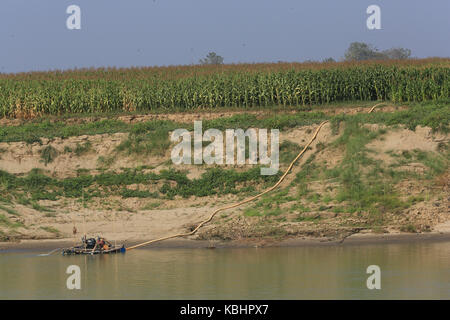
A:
82	250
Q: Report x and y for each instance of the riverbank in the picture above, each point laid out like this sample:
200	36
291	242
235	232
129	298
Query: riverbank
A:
356	239
375	173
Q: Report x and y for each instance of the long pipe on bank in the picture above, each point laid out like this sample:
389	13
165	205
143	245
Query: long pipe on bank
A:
248	199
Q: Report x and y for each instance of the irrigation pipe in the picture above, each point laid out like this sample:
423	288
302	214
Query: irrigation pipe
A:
245	200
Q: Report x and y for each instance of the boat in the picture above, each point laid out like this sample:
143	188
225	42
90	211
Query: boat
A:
83	250
92	246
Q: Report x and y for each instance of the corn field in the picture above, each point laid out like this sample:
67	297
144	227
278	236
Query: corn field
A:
31	95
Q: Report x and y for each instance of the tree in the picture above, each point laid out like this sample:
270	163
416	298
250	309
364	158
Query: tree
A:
397	53
362	51
212	58
330	59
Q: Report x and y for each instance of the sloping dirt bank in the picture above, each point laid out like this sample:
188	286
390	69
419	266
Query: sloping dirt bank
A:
405	174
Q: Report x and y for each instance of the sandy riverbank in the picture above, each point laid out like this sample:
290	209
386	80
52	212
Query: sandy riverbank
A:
402	186
356	239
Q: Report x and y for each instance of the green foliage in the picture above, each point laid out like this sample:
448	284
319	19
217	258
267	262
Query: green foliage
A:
217	181
252	212
212	58
266	212
408	228
35	95
152	143
152	205
368	192
38	207
5	222
48	154
9	210
32	131
359	51
435	115
288	151
81	149
364	186
51	230
127	193
213	181
302	218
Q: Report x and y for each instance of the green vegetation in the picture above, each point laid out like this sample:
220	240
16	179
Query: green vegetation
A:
151	206
363	191
433	114
189	88
48	154
365	185
52	230
9	210
149	138
38	207
288	151
127	193
3	236
269	204
302	218
265	212
436	163
212	58
5	222
174	183
358	51
252	212
81	149
408	228
31	132
358	186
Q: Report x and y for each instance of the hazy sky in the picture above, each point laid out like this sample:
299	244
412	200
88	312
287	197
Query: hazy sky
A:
124	33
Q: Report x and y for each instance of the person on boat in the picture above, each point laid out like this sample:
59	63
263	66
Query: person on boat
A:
100	243
103	244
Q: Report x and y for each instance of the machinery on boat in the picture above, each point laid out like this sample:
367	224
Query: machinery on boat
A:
94	246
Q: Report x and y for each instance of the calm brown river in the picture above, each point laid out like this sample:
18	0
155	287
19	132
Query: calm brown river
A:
408	271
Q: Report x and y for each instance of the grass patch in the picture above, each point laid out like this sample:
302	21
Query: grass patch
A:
2	150
84	148
302	218
252	212
288	151
174	183
105	162
127	193
5	222
9	210
38	207
433	114
408	228
364	185
51	230
436	162
151	205
48	154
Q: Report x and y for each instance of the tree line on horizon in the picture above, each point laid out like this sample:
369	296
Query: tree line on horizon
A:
357	51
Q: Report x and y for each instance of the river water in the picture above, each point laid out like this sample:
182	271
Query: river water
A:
408	271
